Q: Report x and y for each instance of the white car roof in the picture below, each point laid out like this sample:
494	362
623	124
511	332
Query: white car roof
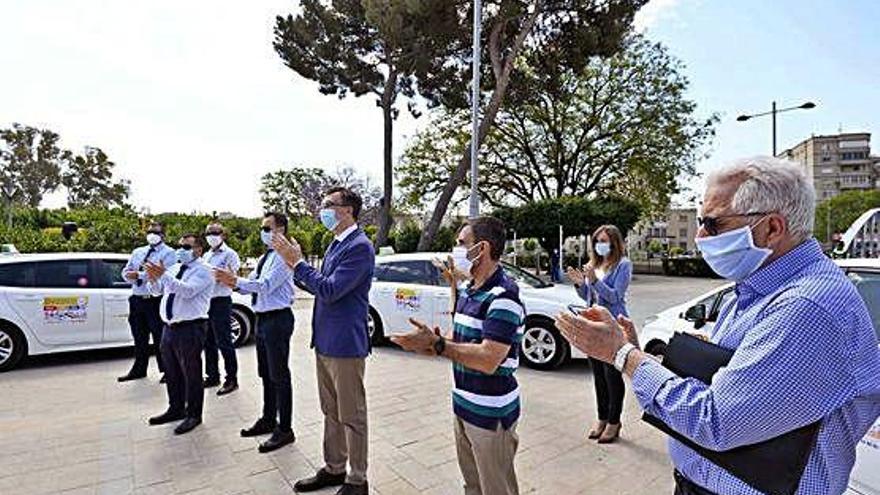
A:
17	258
859	263
411	257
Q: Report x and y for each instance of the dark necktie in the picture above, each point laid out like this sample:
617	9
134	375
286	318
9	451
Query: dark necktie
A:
150	251
169	303
260	272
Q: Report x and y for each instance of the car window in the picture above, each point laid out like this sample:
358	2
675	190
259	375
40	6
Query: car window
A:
868	285
405	272
17	275
109	274
62	274
523	277
724	298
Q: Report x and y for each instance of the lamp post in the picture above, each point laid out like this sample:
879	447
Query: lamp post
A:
773	111
8	193
475	110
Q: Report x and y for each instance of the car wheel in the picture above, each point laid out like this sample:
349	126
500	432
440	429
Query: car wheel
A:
375	329
241	327
656	348
542	347
13	347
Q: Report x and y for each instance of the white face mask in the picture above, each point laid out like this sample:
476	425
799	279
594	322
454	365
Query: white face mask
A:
266	237
214	240
603	249
153	239
462	262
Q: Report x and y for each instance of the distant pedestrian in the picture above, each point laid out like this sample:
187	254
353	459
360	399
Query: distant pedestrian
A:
605	281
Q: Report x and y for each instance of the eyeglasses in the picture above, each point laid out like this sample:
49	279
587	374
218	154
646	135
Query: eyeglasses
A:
711	223
331	204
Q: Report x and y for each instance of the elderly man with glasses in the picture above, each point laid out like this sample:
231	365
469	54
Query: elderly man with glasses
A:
804	350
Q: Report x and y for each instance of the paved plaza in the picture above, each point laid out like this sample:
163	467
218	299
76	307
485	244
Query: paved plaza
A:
66	426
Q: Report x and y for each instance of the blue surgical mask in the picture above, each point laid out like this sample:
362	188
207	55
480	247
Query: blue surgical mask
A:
185	256
603	249
328	218
733	255
266	237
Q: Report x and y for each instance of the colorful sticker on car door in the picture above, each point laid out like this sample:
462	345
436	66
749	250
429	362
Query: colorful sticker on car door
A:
409	300
74	309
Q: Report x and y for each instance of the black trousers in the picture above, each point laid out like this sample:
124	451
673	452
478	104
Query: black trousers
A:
273	352
684	486
144	321
182	349
219	338
610	389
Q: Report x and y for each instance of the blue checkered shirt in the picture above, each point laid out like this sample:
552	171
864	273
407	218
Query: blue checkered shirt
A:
805	350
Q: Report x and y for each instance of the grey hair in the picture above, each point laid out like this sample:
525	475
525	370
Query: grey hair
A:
772	185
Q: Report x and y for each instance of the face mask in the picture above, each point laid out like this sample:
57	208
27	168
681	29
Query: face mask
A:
462	262
185	256
603	248
328	218
214	240
266	237
153	238
733	255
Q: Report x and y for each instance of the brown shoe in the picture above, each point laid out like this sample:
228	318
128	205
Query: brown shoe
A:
597	429
611	434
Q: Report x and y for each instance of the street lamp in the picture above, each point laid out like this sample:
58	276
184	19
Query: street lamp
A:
475	110
806	106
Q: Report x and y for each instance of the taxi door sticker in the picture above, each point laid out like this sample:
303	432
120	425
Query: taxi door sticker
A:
872	439
408	300
65	309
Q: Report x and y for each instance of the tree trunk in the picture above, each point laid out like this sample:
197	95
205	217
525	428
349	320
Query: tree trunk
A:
501	84
388	96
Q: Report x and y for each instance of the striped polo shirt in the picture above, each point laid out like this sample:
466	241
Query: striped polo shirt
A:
494	312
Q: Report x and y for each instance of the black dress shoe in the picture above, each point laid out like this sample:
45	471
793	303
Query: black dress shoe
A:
261	427
276	441
187	426
322	479
163	379
211	382
228	387
129	377
166	417
349	489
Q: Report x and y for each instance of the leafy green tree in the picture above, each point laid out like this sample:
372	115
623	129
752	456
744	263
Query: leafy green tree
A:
369	47
30	162
577	216
557	33
620	126
655	246
294	191
842	210
89	180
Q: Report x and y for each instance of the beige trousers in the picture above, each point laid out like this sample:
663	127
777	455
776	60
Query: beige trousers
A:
344	404
486	459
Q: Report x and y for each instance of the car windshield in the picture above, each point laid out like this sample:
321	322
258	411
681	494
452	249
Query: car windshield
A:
523	277
868	285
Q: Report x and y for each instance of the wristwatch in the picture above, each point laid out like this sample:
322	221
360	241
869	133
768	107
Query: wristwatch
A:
620	357
439	346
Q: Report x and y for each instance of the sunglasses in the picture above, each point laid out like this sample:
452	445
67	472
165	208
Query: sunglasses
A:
711	223
331	204
185	247
266	229
213	233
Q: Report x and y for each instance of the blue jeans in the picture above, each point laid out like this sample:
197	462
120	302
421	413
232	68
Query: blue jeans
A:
274	330
219	338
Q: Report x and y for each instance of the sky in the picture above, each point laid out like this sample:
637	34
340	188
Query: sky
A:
194	106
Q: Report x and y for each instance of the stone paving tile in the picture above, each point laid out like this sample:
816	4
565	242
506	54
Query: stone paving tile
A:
66	426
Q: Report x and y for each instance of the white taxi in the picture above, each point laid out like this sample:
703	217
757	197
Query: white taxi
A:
71	302
409	285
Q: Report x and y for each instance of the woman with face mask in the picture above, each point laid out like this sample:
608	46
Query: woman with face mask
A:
604	282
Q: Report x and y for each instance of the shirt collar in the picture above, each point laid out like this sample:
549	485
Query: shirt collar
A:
220	248
492	281
771	277
347	232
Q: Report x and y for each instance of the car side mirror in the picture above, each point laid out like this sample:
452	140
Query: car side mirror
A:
696	314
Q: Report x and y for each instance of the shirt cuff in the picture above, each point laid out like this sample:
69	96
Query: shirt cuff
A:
647	380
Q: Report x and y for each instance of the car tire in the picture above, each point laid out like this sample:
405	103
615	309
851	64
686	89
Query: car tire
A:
242	326
542	346
13	347
375	329
656	348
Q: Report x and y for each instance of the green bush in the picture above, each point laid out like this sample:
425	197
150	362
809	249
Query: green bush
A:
687	267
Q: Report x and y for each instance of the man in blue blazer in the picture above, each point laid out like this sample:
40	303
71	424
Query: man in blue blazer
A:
340	339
